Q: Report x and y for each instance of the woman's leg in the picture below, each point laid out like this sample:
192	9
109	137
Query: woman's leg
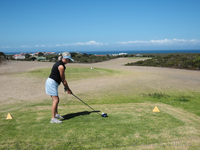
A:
54	107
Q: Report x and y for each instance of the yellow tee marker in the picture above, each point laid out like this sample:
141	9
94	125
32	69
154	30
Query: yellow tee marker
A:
156	109
9	116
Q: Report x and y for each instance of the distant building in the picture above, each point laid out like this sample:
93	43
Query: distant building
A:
22	54
139	55
19	57
122	53
50	53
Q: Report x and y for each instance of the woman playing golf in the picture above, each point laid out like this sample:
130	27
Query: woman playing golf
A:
56	77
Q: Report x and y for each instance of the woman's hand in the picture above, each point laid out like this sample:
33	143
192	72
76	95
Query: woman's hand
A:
69	91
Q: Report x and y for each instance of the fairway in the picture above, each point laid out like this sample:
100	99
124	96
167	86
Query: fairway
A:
127	94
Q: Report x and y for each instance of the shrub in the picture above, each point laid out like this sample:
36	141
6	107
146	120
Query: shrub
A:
182	61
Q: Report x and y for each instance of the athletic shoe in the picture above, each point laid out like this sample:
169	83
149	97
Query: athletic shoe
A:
58	116
55	120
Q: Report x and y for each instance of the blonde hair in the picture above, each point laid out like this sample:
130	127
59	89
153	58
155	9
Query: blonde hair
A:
60	58
63	54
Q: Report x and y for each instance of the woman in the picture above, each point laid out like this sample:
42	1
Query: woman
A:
56	77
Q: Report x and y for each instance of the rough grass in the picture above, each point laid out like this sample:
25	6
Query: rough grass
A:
130	124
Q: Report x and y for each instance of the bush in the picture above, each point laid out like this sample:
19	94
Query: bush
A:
182	61
89	58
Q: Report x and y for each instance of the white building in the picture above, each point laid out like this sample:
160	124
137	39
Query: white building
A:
19	57
122	53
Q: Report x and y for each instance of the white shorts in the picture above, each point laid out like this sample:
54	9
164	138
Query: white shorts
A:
51	87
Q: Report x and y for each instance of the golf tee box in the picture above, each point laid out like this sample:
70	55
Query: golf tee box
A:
156	109
9	116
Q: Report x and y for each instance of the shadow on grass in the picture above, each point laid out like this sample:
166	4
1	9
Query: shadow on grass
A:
72	115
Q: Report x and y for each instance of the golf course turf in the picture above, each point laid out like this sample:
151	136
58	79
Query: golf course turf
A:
128	94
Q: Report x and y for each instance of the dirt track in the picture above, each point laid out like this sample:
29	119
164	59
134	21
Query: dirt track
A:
139	79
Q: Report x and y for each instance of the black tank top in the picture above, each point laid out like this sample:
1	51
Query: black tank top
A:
55	73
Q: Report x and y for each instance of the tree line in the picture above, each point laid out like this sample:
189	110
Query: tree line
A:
82	58
78	57
174	60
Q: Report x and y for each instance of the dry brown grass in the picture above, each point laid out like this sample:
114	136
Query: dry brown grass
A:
136	80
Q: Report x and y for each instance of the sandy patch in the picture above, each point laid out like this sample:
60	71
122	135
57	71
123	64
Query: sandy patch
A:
138	80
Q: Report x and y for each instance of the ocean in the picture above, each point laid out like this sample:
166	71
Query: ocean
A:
140	51
121	51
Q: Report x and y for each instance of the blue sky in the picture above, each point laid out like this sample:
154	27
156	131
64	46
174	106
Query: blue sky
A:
99	25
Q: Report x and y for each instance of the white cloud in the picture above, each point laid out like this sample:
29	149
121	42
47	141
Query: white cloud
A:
162	42
195	41
132	42
40	46
5	47
180	40
89	43
165	41
24	46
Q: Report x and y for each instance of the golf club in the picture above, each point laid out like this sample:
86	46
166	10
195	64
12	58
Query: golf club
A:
103	114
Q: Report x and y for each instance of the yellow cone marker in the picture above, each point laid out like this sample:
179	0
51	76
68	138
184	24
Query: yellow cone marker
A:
9	116
156	109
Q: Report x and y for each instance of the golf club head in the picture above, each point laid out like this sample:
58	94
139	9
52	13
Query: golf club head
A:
104	115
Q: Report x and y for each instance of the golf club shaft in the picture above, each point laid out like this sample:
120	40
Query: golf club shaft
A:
85	103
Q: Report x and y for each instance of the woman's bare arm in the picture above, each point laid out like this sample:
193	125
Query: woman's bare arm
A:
62	75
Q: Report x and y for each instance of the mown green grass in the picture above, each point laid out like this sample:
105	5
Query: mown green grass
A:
76	73
127	126
30	128
188	101
130	124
